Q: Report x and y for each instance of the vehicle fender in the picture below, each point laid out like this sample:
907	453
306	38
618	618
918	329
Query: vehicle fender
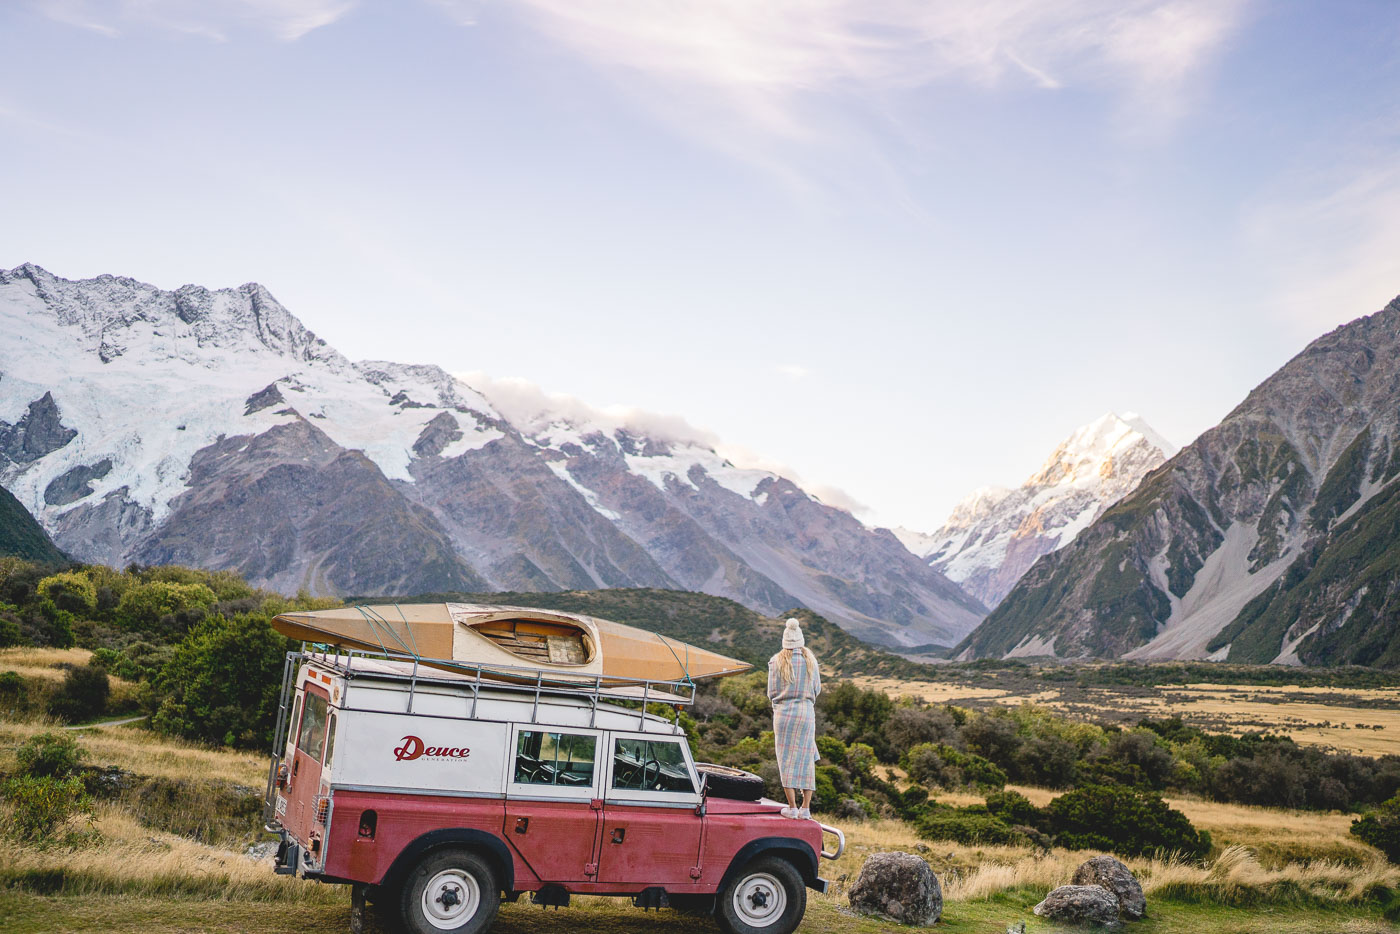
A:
488	844
798	852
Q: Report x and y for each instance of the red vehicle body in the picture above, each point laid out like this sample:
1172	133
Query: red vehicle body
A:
436	794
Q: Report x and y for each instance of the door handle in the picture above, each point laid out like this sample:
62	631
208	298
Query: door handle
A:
522	824
618	834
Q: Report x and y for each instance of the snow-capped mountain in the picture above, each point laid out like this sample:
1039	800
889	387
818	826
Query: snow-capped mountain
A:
1270	538
994	535
209	427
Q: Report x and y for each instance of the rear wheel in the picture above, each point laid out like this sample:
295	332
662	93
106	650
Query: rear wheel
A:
450	891
766	897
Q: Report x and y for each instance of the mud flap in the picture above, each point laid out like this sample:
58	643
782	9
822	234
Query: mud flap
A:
288	858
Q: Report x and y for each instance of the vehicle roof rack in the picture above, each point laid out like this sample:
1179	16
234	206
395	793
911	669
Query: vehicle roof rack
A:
393	666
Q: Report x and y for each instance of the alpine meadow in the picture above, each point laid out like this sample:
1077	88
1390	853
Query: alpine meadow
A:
829	466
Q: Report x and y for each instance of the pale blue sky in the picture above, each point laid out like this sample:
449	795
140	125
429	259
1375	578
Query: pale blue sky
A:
901	247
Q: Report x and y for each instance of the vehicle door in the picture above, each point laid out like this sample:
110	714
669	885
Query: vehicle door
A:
651	823
552	806
304	780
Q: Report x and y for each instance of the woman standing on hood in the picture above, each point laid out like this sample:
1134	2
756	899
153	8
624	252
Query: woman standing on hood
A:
793	685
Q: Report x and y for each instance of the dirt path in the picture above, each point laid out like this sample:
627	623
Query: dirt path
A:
89	726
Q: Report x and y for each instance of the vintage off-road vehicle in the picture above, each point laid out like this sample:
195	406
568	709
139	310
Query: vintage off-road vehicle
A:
437	793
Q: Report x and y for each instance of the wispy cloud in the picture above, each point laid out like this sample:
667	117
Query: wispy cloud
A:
529	407
212	19
767	66
1331	237
793	371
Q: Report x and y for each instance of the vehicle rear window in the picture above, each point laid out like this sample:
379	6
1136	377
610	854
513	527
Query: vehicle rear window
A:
650	765
554	758
313	726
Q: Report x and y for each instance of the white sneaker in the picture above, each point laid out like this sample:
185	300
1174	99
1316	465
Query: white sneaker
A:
794	813
804	814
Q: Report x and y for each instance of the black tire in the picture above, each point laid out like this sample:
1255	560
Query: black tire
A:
723	782
765	897
450	892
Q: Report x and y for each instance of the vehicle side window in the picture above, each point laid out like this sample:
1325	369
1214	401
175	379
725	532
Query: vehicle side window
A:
330	740
554	758
313	726
650	765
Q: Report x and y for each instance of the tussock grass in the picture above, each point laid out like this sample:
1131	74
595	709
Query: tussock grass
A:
44	669
42	664
133	860
143	752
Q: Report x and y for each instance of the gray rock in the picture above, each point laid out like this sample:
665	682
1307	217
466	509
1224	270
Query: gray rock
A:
39	432
898	886
1118	879
76	483
264	398
441	431
1080	904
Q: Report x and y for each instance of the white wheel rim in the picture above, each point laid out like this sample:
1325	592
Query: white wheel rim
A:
450	899
759	900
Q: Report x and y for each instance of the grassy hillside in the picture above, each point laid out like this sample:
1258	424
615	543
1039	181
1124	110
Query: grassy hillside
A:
700	619
22	536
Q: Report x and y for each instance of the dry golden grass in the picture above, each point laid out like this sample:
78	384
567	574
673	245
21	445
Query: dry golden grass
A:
1235	876
136	860
49	666
138	750
933	692
1338	724
42	664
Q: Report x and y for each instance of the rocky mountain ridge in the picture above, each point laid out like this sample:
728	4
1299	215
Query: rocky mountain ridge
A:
209	427
1271	538
994	535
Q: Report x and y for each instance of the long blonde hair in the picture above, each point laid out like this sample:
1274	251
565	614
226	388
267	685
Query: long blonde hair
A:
784	663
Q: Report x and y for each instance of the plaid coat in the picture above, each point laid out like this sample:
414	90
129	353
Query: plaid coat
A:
795	721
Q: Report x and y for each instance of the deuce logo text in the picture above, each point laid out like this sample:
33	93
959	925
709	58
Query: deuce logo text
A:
413	748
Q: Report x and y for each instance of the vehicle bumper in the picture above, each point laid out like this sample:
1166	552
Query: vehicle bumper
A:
840	842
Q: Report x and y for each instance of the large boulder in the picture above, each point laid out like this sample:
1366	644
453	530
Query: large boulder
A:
897	886
1118	879
1080	904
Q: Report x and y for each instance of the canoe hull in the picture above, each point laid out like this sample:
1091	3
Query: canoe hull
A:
561	646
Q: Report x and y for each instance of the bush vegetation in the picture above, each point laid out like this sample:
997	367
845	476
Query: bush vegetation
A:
209	664
198	643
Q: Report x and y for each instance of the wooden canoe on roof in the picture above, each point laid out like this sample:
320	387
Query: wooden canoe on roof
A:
462	634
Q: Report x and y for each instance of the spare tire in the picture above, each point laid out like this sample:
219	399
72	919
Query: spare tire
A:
723	782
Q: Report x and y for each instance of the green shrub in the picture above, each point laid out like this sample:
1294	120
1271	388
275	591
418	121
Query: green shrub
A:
966	825
952	768
831	749
1380	828
48	755
82	695
12	690
1013	808
69	591
11	633
40	805
144	606
221	684
1126	821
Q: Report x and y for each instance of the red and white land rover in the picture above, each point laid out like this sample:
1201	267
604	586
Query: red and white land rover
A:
435	794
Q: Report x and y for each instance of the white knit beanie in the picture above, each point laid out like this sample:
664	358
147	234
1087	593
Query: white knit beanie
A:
792	634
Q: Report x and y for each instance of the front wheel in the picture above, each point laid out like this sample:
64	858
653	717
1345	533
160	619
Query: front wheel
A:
766	897
450	891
